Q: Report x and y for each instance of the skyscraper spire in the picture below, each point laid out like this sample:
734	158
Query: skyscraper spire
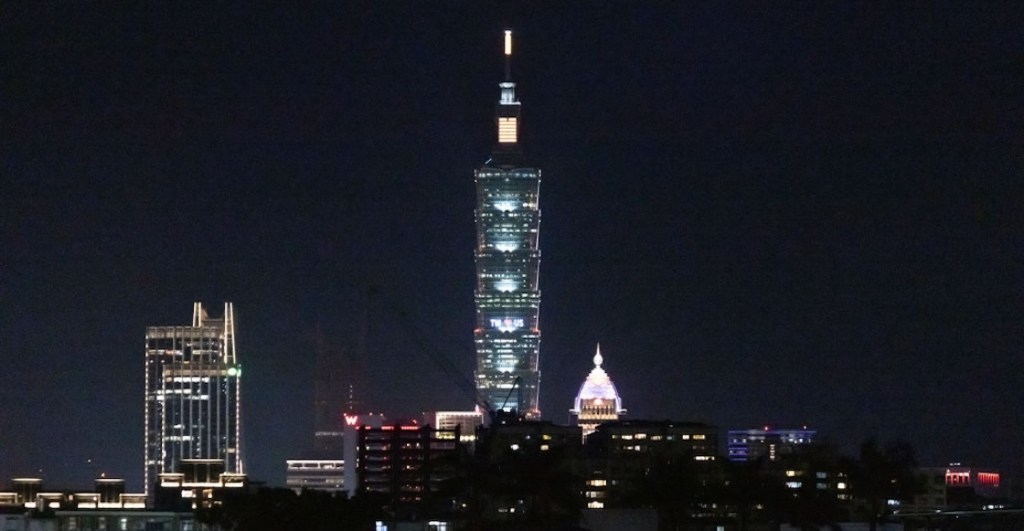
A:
508	107
508	55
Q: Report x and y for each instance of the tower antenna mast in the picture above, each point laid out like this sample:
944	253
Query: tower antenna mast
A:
508	55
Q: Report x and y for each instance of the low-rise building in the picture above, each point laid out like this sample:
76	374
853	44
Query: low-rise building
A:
29	506
956	487
770	443
319	474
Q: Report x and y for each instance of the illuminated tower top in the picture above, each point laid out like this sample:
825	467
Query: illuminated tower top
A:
598	401
508	105
598	387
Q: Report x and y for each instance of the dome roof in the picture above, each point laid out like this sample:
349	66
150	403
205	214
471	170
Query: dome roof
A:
598	385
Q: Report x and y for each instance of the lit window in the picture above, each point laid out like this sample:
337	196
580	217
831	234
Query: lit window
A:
507	130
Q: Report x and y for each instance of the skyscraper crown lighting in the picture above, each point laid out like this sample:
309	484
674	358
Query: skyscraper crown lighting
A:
598	386
597	401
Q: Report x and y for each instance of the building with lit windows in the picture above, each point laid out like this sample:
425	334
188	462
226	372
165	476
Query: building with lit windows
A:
193	400
665	437
597	401
508	434
620	454
350	449
467	423
31	505
771	443
507	295
956	487
407	463
314	474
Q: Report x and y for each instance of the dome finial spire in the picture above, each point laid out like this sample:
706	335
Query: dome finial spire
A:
598	359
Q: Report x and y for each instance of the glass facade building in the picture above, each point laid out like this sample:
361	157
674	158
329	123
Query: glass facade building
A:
507	295
193	400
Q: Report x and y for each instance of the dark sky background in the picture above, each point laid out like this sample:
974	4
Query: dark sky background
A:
804	214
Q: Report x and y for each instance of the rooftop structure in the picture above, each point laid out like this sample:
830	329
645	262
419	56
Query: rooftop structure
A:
771	443
597	401
318	474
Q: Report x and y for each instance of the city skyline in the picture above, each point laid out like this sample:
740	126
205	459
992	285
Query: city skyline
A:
769	216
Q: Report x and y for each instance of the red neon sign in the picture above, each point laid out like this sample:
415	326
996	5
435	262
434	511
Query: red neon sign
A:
958	478
988	479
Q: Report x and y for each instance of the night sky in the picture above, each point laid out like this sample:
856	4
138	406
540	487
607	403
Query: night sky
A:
806	214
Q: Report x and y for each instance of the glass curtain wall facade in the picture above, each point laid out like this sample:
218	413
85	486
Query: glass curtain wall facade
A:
507	295
193	395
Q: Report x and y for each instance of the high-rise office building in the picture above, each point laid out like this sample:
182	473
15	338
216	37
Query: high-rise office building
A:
507	295
193	400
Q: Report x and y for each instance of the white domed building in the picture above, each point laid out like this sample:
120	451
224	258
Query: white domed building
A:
598	401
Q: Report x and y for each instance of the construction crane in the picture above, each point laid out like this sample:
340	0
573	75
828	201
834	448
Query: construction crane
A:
420	338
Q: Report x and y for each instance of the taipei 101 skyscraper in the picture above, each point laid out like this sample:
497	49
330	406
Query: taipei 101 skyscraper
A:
507	295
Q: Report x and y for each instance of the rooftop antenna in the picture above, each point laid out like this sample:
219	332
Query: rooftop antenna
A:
508	55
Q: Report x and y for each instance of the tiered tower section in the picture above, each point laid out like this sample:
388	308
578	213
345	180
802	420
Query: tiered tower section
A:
507	334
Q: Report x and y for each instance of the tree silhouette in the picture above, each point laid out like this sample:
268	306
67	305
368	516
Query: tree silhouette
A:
881	474
272	509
